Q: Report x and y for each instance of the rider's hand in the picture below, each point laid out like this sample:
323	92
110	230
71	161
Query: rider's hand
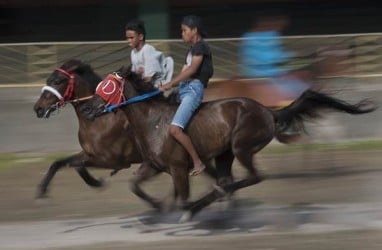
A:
165	87
147	79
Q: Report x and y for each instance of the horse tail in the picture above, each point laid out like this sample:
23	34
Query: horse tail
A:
308	105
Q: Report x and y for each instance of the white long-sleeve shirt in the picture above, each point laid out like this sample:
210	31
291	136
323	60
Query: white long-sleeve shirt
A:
147	61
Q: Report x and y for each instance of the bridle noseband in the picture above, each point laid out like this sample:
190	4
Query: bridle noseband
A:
68	95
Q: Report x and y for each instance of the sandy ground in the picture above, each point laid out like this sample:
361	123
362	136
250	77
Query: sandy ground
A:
309	200
339	191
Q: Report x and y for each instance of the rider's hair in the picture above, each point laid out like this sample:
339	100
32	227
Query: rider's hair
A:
193	21
137	26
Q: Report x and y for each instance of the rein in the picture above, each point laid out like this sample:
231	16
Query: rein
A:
57	106
80	99
131	100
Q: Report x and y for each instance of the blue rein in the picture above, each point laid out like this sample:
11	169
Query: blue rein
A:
132	100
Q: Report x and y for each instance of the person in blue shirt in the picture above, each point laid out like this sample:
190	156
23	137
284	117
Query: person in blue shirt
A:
262	55
261	51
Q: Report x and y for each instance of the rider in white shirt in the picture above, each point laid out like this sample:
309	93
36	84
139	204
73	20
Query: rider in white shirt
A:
145	59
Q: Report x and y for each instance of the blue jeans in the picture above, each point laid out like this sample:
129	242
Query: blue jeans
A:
191	95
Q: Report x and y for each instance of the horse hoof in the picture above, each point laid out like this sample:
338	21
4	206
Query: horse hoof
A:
41	196
159	207
186	217
42	201
103	183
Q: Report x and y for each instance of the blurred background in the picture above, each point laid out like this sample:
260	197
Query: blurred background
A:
38	35
97	20
338	43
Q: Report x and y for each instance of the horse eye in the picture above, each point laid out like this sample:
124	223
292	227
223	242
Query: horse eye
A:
58	81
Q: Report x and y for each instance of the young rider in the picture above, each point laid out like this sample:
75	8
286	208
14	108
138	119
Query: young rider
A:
192	80
145	59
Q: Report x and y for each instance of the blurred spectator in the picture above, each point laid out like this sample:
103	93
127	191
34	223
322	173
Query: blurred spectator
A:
261	49
262	55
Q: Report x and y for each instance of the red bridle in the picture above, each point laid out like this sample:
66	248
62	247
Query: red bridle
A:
68	95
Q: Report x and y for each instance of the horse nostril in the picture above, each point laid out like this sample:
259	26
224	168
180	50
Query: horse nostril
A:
39	112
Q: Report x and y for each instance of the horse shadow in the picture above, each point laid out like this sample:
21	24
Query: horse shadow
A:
238	216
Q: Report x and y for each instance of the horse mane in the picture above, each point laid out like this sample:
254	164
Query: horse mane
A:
143	87
84	70
136	80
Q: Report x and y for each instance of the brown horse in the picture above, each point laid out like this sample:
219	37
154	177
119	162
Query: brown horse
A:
107	142
236	126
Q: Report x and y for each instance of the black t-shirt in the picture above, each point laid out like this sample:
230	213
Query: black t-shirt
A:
205	70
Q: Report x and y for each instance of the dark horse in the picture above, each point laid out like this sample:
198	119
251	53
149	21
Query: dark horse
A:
234	127
106	143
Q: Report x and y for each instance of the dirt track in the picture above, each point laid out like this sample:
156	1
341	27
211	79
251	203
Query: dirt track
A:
340	191
310	200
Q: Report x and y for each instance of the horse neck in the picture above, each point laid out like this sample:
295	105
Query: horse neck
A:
137	111
82	89
85	84
142	115
147	121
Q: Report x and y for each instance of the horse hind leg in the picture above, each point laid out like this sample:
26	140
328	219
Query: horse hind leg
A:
224	171
224	168
246	158
244	155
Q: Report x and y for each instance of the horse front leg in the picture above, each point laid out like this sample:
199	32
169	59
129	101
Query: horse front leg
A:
88	178
78	160
80	163
145	172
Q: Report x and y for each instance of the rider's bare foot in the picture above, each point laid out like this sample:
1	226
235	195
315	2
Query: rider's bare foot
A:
198	168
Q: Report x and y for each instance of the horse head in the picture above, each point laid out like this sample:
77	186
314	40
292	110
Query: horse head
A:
113	90
68	83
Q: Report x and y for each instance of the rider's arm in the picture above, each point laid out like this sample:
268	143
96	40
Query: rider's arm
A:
186	72
152	61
